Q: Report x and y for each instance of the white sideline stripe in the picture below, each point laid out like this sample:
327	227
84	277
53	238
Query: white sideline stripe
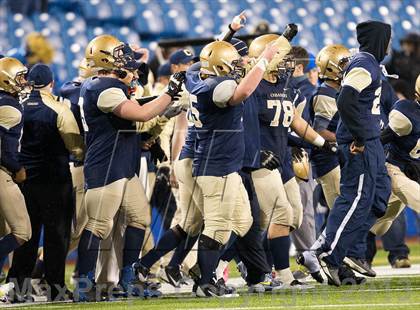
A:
348	215
338	306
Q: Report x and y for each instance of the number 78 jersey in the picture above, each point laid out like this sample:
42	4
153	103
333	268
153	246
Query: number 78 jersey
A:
275	113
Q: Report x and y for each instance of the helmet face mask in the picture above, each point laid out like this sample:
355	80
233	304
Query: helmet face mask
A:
220	58
107	53
12	76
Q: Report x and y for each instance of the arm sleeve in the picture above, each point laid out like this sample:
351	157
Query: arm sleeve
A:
110	98
226	35
69	132
347	104
9	146
296	141
399	123
358	78
223	92
325	108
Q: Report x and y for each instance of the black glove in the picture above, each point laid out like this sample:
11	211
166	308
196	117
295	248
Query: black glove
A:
330	147
412	171
175	84
297	153
269	160
143	73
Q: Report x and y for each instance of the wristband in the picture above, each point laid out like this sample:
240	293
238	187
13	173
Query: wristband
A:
262	64
319	141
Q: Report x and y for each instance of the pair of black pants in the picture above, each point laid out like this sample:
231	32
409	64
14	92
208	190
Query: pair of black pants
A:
49	206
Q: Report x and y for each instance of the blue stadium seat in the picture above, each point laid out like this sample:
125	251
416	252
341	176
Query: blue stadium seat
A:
70	24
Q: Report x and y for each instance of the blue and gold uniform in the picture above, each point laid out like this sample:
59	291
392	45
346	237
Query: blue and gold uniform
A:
403	162
218	157
12	203
275	112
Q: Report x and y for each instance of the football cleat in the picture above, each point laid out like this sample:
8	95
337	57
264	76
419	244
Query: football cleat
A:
173	276
347	277
269	284
403	262
359	265
216	289
141	271
330	271
297	285
309	260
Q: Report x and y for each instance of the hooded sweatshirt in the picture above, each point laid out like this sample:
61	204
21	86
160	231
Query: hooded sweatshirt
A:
358	102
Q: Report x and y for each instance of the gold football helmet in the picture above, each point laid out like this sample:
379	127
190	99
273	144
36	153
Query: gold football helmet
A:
417	89
38	49
85	71
219	58
301	166
331	61
258	45
105	52
12	75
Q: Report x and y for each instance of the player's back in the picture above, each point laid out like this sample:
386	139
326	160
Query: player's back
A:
112	142
219	140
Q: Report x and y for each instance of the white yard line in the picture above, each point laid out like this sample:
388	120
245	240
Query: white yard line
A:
338	306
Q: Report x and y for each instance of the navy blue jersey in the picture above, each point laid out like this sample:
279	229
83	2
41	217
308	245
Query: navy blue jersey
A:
276	112
11	125
323	110
252	158
307	89
48	123
71	91
219	139
364	75
113	146
404	120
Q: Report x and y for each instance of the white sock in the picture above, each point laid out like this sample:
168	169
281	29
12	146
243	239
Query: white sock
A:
285	275
319	242
221	269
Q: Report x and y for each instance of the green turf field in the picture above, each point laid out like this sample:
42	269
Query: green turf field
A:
386	293
401	292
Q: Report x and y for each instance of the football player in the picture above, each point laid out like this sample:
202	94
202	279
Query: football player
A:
331	61
12	203
112	156
276	101
217	111
403	159
364	180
